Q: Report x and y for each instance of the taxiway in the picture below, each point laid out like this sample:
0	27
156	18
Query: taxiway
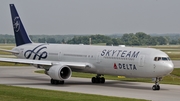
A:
24	76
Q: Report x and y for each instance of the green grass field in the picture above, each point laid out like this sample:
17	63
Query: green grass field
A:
10	93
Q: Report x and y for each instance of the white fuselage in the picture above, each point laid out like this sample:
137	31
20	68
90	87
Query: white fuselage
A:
113	60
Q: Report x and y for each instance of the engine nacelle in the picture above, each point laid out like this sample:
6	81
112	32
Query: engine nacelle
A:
59	72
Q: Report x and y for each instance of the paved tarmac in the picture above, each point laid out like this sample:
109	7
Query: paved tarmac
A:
25	77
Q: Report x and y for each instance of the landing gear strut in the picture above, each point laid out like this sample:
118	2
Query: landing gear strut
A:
156	86
56	82
98	79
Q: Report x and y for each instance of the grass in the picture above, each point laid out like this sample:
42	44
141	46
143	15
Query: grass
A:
176	72
6	46
174	78
174	56
10	93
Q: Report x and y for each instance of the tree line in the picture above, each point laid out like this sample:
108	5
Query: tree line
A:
130	39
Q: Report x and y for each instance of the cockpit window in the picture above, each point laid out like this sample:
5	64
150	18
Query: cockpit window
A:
169	59
159	58
162	59
155	59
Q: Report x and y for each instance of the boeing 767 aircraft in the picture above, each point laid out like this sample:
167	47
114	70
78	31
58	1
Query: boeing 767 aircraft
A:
59	60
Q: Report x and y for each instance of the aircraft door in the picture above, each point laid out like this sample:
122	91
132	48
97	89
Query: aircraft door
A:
98	58
141	60
100	66
60	56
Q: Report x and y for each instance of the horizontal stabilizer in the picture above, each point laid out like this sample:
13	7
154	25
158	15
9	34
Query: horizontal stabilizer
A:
9	51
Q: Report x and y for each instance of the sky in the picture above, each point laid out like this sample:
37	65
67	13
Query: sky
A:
64	17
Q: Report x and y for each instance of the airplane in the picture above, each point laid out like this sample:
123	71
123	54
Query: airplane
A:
59	60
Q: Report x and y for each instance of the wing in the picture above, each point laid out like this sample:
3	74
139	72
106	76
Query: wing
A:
9	51
48	64
26	61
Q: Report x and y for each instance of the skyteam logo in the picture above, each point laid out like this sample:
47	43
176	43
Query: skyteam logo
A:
16	24
38	52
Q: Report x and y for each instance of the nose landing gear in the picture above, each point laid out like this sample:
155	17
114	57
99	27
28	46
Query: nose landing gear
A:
156	86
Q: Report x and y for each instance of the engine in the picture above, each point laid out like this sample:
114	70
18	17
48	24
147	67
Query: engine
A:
59	72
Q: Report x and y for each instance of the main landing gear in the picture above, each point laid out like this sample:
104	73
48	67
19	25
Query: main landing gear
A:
56	82
98	79
156	86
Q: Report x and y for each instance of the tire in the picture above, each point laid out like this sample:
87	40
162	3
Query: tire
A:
98	80
157	87
56	82
93	80
154	87
102	80
61	82
52	81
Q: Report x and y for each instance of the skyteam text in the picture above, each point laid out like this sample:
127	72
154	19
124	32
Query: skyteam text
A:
120	53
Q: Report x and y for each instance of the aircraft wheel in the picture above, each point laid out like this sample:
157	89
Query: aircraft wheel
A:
61	82
93	80
155	87
98	80
52	81
56	82
102	80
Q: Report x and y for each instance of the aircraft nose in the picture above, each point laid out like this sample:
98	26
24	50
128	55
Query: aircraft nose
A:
169	67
